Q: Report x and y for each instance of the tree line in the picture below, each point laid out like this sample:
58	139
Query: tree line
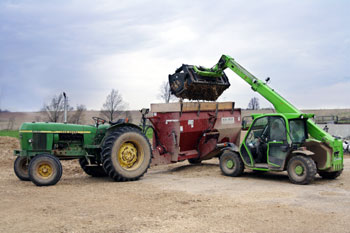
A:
112	108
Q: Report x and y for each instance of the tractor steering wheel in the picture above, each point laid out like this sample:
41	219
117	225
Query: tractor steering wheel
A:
99	120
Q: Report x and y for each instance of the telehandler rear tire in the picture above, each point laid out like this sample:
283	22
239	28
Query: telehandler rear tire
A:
301	169
126	154
330	175
94	171
231	164
21	168
45	170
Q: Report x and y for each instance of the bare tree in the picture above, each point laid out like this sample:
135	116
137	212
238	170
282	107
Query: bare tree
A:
164	92
78	114
54	109
254	104
113	106
11	122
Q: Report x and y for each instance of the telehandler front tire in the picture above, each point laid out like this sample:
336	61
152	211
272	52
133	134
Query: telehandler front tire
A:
301	169
231	164
45	170
126	154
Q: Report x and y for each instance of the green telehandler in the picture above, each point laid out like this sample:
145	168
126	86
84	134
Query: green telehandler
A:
286	140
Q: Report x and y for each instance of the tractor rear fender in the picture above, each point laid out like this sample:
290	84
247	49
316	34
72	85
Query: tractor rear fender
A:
114	128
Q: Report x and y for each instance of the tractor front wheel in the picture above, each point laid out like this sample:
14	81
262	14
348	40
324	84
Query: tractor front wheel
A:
45	170
94	170
126	154
231	164
21	168
301	169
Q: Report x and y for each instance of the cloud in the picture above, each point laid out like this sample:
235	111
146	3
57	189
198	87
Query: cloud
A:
87	48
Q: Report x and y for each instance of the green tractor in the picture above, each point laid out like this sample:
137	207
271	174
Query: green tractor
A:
116	149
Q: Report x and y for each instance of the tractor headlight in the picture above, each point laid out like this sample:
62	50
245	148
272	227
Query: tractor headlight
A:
30	140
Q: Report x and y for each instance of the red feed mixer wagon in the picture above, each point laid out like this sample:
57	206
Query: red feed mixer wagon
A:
194	131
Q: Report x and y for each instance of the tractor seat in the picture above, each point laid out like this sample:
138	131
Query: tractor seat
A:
119	121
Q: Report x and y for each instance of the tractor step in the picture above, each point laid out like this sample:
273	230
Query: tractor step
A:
187	84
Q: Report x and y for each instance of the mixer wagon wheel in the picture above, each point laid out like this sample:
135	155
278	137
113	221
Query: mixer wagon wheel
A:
96	170
126	154
45	170
21	168
194	161
231	163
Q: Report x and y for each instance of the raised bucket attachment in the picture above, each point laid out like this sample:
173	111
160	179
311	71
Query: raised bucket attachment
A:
187	84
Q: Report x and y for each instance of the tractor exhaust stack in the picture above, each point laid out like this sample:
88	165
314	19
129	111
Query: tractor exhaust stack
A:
65	108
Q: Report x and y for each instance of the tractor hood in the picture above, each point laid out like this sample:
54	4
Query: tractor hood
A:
45	127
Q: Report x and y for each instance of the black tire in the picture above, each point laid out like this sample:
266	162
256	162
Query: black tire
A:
194	161
126	154
45	170
330	175
231	164
301	169
94	171
21	168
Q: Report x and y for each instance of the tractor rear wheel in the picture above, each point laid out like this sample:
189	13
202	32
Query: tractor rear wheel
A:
231	164
301	169
45	170
96	170
126	154
330	175
21	168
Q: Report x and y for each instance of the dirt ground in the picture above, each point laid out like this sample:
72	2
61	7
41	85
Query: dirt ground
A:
172	198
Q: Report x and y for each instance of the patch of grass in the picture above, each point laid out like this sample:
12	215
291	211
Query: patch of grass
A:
9	133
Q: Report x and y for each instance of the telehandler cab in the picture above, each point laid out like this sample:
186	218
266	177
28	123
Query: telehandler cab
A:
286	140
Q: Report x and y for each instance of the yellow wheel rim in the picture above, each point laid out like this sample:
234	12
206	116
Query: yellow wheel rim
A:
129	156
45	170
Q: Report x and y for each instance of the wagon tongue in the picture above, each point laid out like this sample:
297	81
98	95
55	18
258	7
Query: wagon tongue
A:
189	82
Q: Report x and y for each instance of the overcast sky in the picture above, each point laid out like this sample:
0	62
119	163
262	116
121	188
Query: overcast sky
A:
86	48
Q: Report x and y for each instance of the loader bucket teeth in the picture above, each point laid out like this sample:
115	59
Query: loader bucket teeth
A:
187	84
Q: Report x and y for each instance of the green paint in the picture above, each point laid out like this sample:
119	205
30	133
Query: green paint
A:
283	107
299	170
230	164
66	141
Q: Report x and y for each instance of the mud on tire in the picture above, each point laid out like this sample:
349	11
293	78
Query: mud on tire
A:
126	154
301	169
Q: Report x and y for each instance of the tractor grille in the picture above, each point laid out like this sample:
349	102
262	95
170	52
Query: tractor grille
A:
39	141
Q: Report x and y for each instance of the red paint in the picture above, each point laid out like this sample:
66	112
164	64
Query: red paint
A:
189	135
